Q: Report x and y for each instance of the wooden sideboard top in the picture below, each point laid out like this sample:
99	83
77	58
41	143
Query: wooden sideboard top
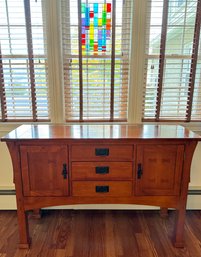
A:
94	131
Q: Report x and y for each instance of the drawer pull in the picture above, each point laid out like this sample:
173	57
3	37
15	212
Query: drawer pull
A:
102	189
139	171
102	170
64	171
101	151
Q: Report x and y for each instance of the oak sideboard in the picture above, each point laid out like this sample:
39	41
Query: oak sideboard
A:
101	164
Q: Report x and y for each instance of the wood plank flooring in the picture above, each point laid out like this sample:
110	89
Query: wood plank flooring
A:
98	233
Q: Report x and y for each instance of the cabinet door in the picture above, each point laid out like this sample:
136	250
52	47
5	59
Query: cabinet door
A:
159	169
42	170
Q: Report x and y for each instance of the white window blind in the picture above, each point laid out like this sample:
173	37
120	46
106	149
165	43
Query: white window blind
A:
172	74
23	69
96	49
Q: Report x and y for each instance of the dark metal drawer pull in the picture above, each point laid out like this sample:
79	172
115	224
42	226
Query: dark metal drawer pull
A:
102	170
139	171
64	171
101	151
102	189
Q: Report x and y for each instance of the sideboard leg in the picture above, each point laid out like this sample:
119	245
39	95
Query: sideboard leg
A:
179	228
164	212
181	211
24	239
36	214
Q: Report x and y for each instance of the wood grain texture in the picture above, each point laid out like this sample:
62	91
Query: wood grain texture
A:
114	170
161	169
88	188
87	152
103	132
98	233
42	170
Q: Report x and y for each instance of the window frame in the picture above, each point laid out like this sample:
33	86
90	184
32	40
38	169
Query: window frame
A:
30	66
79	114
163	57
138	56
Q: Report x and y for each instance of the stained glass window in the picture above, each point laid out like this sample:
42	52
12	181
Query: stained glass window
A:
96	36
96	27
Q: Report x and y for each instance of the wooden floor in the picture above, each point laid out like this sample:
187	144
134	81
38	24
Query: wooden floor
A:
73	233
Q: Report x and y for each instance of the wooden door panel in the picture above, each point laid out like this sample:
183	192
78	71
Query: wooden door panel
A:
42	170
158	169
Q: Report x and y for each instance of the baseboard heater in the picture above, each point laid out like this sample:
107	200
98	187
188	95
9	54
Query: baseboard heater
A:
7	192
12	192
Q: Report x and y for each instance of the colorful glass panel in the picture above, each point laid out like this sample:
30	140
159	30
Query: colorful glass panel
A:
96	27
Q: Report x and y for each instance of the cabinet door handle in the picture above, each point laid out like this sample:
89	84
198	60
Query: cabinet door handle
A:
101	151
64	171
139	171
102	170
102	189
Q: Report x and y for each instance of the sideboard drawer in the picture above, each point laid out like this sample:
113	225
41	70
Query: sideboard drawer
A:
101	170
101	188
102	152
